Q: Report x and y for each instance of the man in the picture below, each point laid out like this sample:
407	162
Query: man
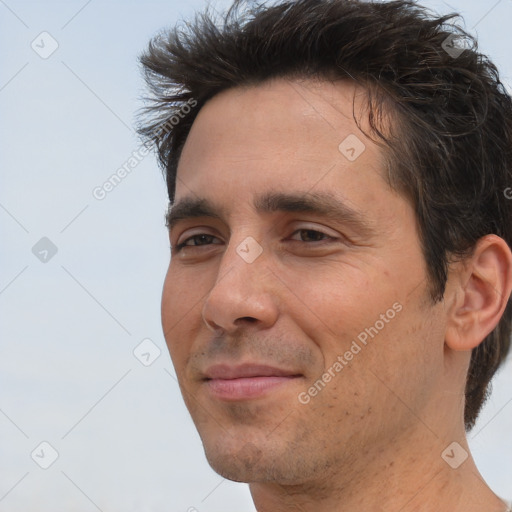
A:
338	296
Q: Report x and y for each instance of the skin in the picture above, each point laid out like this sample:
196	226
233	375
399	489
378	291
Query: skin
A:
372	437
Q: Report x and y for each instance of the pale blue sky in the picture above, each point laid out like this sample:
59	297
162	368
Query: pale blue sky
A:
68	375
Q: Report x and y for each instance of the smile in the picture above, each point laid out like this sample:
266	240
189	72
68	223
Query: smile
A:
246	381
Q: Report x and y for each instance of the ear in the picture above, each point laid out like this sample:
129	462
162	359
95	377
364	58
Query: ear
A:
480	290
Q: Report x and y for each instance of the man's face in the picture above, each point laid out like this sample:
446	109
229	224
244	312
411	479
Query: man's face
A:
302	340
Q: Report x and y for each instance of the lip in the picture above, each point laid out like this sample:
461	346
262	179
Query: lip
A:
227	371
245	381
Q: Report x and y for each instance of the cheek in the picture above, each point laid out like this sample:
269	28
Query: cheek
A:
168	299
365	321
181	291
179	307
334	303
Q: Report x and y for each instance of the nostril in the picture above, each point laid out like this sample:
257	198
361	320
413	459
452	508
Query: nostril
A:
249	319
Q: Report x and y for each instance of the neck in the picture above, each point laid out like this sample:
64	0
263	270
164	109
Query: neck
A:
410	476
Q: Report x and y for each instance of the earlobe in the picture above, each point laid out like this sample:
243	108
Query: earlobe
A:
483	287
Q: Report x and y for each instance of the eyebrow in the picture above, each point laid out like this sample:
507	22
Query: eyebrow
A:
322	204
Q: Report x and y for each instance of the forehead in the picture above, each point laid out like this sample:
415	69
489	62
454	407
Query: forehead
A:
283	135
276	113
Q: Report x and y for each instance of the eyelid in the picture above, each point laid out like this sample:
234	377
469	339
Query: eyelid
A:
314	227
199	230
328	238
298	227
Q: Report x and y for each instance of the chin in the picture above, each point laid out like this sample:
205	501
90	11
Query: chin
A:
239	462
249	463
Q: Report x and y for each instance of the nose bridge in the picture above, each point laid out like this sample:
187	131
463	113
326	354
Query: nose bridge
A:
241	289
241	268
244	257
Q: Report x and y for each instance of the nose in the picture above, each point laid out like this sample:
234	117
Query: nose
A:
244	293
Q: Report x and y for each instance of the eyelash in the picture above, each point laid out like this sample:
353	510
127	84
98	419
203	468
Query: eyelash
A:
180	246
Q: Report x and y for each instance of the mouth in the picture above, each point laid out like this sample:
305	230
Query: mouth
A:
245	382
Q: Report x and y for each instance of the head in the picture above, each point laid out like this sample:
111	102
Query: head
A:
352	123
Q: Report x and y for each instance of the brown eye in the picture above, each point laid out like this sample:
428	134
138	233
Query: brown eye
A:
312	235
203	239
199	240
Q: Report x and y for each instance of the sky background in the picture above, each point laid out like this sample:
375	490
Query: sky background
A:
71	321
